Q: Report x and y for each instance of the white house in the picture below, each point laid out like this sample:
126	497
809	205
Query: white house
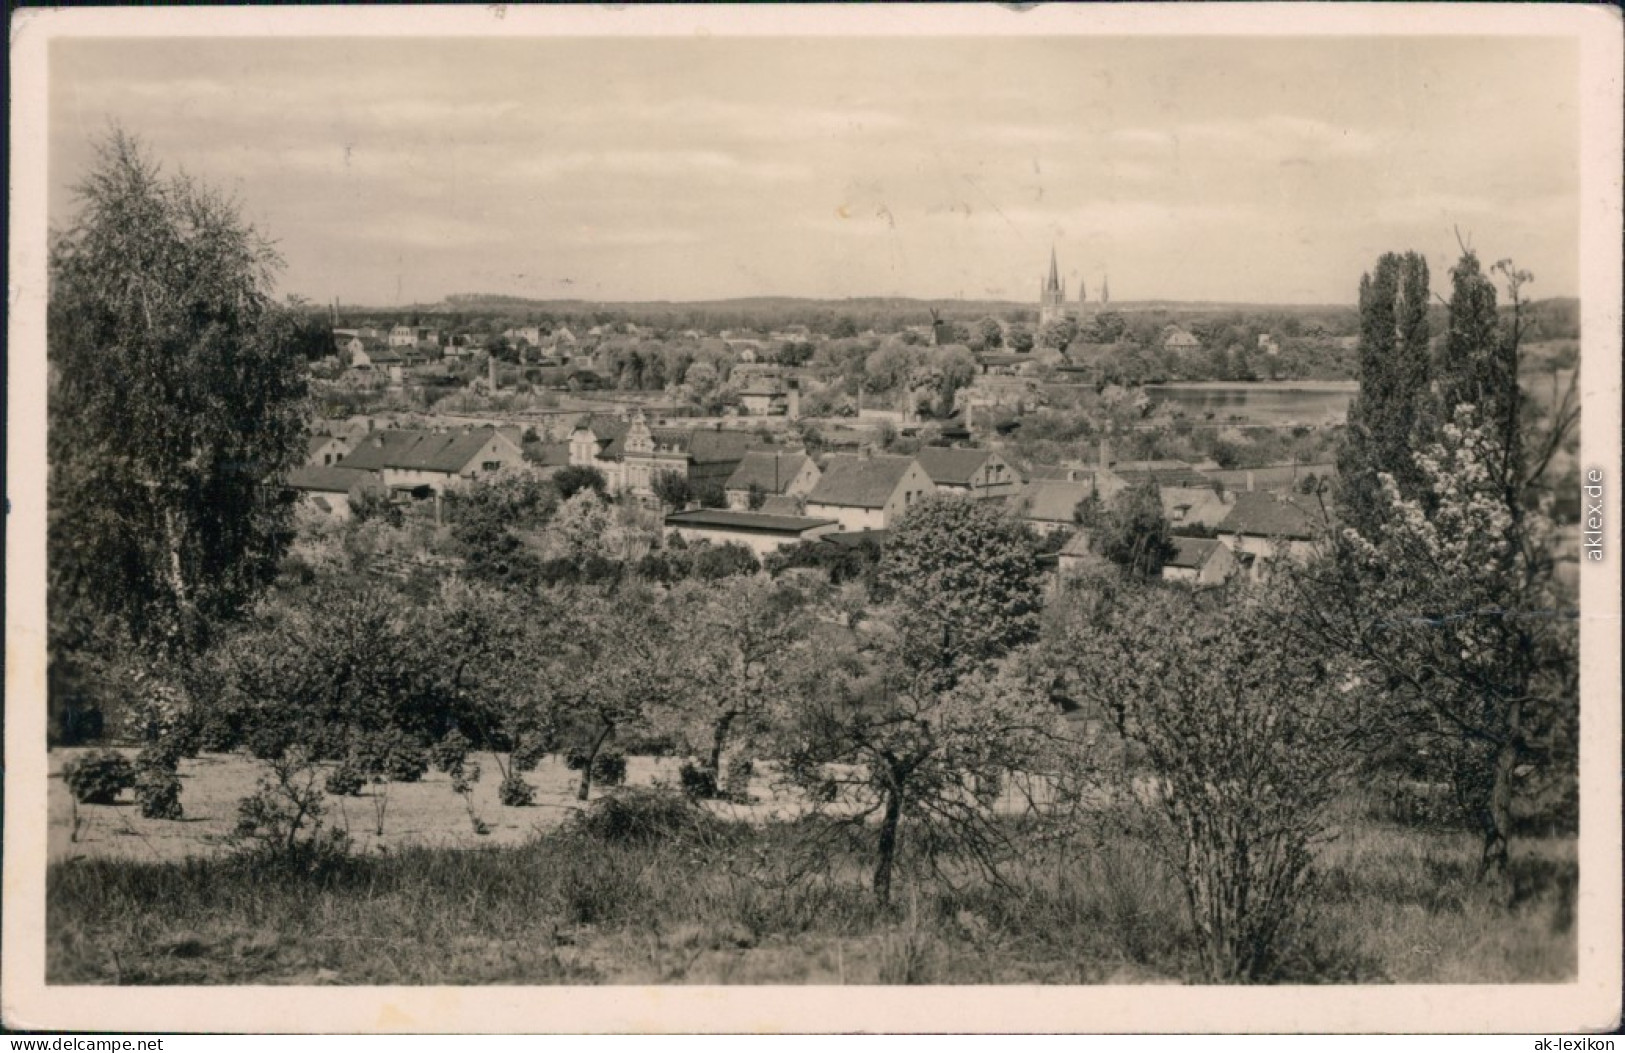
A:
868	491
326	450
329	489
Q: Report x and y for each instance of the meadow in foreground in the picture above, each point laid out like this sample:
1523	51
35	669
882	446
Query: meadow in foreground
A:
661	893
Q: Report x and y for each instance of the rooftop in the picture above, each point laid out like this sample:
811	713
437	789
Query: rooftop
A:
859	481
325	478
412	450
1192	552
949	466
1266	515
770	471
746	522
1052	500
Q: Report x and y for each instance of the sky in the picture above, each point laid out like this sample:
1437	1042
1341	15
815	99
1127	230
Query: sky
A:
1219	169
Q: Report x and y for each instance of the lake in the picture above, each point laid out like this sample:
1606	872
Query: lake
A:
1290	402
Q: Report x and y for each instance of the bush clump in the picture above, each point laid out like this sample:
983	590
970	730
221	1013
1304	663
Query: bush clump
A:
99	778
158	791
515	792
346	780
698	781
642	817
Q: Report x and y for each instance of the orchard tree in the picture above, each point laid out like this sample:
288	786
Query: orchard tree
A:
1450	609
965	581
881	743
177	403
746	645
1442	583
916	721
494	677
614	664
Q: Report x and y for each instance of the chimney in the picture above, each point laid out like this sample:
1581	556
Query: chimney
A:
1250	482
492	363
1105	454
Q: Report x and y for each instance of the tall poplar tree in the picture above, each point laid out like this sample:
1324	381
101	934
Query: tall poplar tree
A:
1392	408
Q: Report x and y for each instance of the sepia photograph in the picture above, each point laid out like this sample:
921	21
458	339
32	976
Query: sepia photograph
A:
1110	512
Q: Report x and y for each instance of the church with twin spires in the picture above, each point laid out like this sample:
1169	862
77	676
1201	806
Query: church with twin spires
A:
1052	305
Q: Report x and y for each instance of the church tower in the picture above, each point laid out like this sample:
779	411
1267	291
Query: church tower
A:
1052	295
1105	290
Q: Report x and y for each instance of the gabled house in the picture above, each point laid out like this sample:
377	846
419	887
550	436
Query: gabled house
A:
408	459
1199	561
326	450
868	491
329	489
969	472
1261	527
771	473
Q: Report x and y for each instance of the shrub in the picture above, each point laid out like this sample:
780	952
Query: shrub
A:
406	763
528	753
699	782
450	753
346	780
643	816
736	779
610	769
1247	746
158	790
99	778
515	792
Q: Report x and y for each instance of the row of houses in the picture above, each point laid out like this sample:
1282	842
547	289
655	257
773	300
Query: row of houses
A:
400	463
777	496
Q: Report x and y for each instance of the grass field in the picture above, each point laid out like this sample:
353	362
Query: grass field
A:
729	902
